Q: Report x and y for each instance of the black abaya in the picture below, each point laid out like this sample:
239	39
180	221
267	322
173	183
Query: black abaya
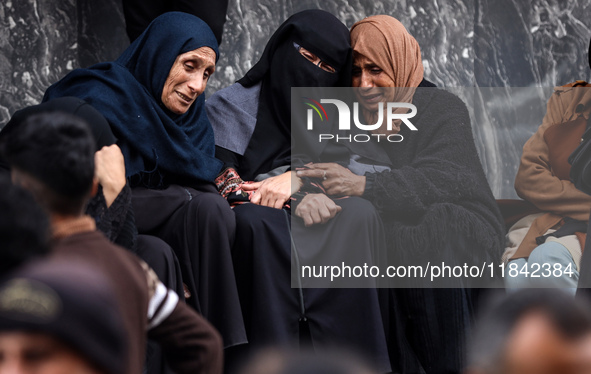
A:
274	311
199	226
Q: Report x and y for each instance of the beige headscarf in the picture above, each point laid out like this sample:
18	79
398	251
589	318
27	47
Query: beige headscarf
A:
385	41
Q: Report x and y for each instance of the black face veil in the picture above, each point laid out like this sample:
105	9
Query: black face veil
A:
282	67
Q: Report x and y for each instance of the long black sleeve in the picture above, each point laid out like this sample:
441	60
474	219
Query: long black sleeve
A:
117	221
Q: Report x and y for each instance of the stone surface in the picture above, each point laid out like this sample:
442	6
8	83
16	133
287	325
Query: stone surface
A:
101	31
38	44
465	43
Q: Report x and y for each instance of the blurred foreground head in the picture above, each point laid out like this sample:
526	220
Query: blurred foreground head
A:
52	156
275	361
58	317
532	331
24	227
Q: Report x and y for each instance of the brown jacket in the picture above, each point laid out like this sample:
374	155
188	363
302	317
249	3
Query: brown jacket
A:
536	181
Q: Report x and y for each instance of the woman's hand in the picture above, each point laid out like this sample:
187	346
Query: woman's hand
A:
316	208
275	191
337	180
109	170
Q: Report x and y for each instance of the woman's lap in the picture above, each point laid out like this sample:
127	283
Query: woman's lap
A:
199	226
273	307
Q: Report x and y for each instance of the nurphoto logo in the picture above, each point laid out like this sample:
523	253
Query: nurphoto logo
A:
344	115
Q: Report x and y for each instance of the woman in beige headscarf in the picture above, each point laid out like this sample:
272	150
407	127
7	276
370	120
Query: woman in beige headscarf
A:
391	58
434	198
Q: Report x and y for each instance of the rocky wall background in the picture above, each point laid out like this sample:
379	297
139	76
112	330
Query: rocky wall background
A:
472	44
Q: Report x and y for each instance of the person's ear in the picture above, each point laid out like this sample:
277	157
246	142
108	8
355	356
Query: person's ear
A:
94	188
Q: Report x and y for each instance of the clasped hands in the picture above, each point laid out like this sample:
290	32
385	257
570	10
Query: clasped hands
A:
314	209
336	179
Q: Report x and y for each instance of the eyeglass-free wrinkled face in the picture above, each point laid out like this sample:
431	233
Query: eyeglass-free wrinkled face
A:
187	79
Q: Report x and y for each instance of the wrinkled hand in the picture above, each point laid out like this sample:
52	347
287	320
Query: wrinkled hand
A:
316	208
275	191
336	180
109	170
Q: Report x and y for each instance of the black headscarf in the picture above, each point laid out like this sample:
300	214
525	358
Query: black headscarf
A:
128	93
280	68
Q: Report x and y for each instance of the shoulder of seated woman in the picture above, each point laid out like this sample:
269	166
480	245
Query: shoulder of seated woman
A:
236	93
426	83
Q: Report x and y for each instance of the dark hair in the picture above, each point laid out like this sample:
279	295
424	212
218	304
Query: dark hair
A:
570	317
24	227
57	150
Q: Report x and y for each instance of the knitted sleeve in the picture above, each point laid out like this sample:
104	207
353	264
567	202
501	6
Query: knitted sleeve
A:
444	169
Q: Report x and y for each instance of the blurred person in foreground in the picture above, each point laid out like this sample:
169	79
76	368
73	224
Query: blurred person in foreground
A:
532	331
111	206
24	227
60	317
52	155
289	361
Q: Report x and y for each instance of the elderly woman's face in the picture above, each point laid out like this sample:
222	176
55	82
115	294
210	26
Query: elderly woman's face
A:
376	85
187	79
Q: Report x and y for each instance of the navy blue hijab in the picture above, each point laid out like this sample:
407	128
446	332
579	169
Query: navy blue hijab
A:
128	91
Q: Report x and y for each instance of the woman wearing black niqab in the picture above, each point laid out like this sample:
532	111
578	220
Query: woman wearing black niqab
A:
167	142
255	138
270	144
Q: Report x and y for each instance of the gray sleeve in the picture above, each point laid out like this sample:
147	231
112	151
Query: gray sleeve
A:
232	112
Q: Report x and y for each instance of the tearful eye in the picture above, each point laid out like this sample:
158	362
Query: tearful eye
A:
376	70
304	52
314	59
326	67
309	56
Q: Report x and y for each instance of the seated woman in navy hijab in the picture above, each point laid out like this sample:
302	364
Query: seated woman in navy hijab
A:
152	99
254	138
